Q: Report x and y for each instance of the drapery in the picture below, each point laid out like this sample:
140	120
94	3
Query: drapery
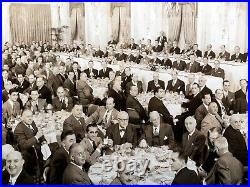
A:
30	22
115	21
189	22
77	24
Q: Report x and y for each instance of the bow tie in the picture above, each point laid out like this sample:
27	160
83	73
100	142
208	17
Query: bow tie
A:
122	130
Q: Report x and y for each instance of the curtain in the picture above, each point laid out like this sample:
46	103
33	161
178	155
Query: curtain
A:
30	22
77	24
115	21
189	22
174	23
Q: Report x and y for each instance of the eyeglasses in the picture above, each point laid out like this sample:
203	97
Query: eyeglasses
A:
122	119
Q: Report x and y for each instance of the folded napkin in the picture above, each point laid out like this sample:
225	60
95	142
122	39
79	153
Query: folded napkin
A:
45	151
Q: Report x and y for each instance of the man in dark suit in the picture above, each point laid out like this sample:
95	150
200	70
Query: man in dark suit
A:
179	64
209	53
242	92
91	72
156	104
202	110
157	47
217	71
44	92
99	53
166	62
14	172
196	51
123	132
29	140
206	68
158	133
32	85
119	98
35	104
202	85
224	55
61	102
228	97
161	39
76	123
73	173
155	60
104	72
218	100
22	83
134	82
237	56
175	49
155	83
76	71
132	44
236	141
193	66
60	159
227	169
61	76
133	103
175	85
184	175
121	56
70	85
193	142
126	77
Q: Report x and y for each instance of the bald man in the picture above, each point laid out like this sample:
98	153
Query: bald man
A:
14	173
123	132
227	169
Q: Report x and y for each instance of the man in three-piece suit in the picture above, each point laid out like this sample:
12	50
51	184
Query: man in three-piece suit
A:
61	102
14	172
184	175
193	66
217	71
104	115
193	141
123	132
133	103
60	159
74	174
76	123
209	53
155	83
227	169
228	97
104	72
29	140
158	133
224	55
179	64
206	68
176	85
35	104
91	72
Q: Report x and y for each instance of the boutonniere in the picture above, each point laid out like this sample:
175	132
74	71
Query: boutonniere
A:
165	138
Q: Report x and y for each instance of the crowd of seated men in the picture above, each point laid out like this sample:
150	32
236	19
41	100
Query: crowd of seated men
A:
208	128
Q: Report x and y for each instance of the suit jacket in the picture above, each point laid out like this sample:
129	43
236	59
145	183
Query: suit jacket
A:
175	50
194	146
8	111
74	175
99	54
178	87
113	132
94	71
133	103
227	170
45	93
166	63
240	106
239	58
23	178
220	108
237	144
61	78
139	86
156	61
206	69
194	68
206	90
5	95
157	48
181	66
193	104
211	54
225	55
125	80
161	40
98	116
41	105
218	73
31	87
71	87
228	101
119	99
23	86
105	74
145	60
209	122
186	176
84	92
152	86
132	46
198	53
58	163
155	104
166	135
93	153
77	75
200	114
120	57
58	105
240	94
78	126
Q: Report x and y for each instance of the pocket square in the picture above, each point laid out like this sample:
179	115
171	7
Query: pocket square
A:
165	138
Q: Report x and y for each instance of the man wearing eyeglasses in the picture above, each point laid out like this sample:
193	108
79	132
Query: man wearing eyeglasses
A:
123	132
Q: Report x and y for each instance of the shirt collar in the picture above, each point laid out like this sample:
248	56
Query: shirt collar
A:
80	167
190	134
13	179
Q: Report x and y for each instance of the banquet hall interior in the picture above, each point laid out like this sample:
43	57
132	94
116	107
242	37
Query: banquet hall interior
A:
125	93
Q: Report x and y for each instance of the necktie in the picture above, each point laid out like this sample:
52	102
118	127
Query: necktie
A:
94	145
156	131
122	131
189	136
11	182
